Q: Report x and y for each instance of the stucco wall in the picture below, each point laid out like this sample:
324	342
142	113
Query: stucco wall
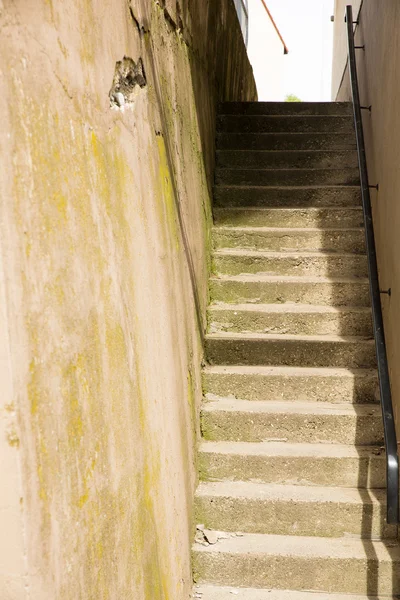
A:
379	78
105	217
266	55
340	42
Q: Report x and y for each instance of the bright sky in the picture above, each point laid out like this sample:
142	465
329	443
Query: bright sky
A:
307	30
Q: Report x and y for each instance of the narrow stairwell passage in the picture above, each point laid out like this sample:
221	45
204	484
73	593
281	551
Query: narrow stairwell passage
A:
292	462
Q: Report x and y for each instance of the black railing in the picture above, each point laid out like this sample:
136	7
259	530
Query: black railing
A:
243	16
392	459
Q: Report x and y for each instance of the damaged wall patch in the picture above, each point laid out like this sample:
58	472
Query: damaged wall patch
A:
129	79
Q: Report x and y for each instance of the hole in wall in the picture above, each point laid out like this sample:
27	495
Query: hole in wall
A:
129	79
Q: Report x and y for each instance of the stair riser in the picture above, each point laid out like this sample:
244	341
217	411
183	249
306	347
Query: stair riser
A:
330	574
286	108
287	198
292	353
319	266
284	517
334	294
250	159
270	241
218	426
302	388
346	323
287	177
286	141
285	124
360	472
327	219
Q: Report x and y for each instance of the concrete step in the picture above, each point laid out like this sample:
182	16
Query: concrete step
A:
345	466
289	159
310	220
240	262
310	563
279	239
289	350
287	177
285	124
214	592
292	384
232	420
271	289
287	196
285	108
294	319
286	141
292	510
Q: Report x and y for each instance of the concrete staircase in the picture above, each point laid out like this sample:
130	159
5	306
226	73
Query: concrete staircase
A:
292	493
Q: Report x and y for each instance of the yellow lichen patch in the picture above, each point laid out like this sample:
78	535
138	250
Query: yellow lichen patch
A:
72	402
34	387
167	192
12	437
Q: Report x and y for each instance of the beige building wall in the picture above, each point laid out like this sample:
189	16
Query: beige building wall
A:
266	53
105	221
340	41
379	75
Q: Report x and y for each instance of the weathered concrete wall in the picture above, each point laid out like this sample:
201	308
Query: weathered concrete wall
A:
105	218
379	79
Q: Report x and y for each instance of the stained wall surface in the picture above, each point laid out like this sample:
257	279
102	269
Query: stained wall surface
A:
379	78
105	221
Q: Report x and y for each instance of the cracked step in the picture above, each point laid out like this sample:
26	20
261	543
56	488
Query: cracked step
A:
288	159
287	196
269	289
291	384
290	220
292	510
289	350
214	592
287	177
285	124
294	319
362	467
240	262
310	563
290	239
286	108
226	419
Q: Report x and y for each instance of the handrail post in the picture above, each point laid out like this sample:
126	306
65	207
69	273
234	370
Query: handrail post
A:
392	460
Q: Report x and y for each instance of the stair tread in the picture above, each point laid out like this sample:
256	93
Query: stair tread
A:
286	545
287	188
213	592
290	308
289	492
267	209
284	336
289	371
285	253
286	230
291	170
285	152
290	278
292	449
217	404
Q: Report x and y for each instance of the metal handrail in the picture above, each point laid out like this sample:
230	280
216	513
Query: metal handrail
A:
392	459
